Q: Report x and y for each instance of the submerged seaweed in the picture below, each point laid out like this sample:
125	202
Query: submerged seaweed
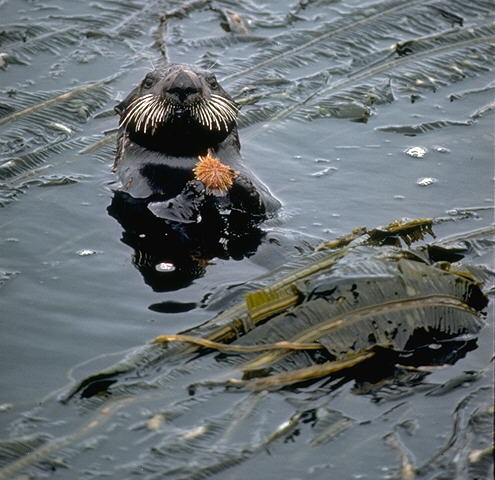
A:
363	312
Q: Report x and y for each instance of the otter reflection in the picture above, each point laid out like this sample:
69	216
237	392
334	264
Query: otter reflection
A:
171	254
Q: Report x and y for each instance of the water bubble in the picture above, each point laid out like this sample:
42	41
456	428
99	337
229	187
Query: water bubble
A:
85	252
442	149
325	171
425	181
416	152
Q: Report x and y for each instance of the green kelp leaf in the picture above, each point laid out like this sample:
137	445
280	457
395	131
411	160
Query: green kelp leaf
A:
265	303
165	339
409	231
303	374
281	283
350	301
349	311
343	240
259	113
60	180
484	110
101	148
279	286
363	57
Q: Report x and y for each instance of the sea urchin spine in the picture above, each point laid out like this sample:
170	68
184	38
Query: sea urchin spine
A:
214	174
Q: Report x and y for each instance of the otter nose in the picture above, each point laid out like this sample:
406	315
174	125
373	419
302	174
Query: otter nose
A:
184	86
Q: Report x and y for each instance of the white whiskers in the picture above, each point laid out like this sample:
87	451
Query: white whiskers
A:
148	112
216	113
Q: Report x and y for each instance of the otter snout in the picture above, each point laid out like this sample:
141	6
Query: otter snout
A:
185	87
177	109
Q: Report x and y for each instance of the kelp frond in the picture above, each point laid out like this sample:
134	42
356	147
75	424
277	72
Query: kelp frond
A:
408	230
300	375
230	348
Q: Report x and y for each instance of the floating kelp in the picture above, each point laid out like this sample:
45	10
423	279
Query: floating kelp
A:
413	130
348	304
33	132
333	281
362	309
433	60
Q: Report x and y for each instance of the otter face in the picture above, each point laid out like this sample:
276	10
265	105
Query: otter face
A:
176	109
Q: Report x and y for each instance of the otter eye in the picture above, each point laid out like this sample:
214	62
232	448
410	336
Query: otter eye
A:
212	81
148	82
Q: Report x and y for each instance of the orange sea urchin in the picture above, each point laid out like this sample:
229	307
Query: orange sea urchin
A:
214	174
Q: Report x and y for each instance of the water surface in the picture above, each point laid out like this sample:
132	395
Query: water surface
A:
329	113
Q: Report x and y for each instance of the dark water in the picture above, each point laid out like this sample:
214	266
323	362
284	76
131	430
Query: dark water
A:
70	296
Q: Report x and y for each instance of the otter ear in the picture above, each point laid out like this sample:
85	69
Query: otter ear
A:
120	108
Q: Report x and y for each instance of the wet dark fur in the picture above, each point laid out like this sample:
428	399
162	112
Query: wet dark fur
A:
167	215
182	135
158	164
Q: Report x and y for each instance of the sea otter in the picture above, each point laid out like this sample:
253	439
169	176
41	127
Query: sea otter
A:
178	148
185	195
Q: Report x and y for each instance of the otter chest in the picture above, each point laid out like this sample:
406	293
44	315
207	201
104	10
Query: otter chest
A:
145	173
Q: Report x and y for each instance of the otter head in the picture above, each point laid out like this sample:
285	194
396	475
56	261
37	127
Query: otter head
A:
179	111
